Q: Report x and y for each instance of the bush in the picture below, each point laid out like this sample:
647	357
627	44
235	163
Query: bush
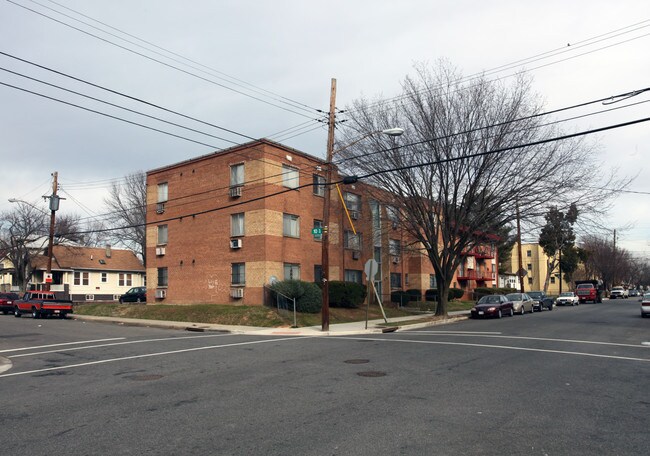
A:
400	297
416	295
455	293
348	295
479	292
308	296
431	294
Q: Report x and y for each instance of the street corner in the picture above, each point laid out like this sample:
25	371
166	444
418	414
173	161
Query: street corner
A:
5	364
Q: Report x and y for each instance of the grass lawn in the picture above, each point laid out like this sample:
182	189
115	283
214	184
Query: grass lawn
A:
230	315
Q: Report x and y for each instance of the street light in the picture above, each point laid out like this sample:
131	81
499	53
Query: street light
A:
325	312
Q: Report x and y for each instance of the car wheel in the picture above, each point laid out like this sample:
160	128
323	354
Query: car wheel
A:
139	300
512	312
35	313
523	310
16	312
499	315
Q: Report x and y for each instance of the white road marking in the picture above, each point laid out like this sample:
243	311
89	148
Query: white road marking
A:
117	343
147	355
60	345
429	333
503	347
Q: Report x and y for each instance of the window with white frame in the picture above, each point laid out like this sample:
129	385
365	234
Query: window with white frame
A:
319	185
290	176
162	234
352	241
125	279
237	175
392	214
291	271
162	277
81	278
238	273
237	224
162	192
353	275
352	201
291	225
394	247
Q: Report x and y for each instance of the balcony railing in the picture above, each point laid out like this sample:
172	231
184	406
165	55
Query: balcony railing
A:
480	252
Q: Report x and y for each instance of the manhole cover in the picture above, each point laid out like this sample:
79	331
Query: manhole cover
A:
144	378
371	374
357	361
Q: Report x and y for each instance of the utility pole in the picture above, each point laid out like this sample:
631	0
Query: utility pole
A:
614	262
325	266
520	272
54	206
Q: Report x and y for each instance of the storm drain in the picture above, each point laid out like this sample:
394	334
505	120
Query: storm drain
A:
371	374
356	361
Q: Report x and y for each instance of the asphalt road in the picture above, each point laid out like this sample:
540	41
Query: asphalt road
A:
573	381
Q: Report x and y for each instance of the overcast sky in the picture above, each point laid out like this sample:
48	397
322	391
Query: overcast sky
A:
263	69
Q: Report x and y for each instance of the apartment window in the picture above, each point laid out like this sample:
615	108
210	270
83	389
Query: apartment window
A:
392	213
318	224
530	280
237	224
395	280
319	185
352	201
529	253
529	267
432	281
126	280
291	271
162	192
104	277
81	278
318	273
552	279
394	247
352	241
162	234
238	271
236	175
162	277
291	225
406	279
353	275
290	177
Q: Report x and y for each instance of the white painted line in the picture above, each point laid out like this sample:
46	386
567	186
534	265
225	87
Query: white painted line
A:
147	355
477	333
429	333
503	347
163	339
60	345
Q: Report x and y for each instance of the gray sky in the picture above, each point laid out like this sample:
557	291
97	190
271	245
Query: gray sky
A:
279	58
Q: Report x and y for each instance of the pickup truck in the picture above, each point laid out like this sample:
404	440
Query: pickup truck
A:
618	292
589	290
42	304
567	298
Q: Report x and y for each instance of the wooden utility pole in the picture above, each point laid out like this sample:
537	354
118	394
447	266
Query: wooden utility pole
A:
325	266
54	206
520	272
614	262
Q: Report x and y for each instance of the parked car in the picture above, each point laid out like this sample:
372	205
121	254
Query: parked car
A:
7	302
567	298
135	294
645	305
634	292
492	306
618	292
540	300
521	302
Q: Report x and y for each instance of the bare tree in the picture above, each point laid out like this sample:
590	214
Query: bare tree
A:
465	162
23	237
70	227
127	203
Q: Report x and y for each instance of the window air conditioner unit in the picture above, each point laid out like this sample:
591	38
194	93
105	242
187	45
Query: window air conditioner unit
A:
354	215
160	251
356	254
235	192
235	243
237	293
161	294
395	259
160	208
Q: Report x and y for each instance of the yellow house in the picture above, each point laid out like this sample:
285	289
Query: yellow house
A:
536	263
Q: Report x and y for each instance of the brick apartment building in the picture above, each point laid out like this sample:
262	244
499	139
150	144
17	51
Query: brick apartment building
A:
222	225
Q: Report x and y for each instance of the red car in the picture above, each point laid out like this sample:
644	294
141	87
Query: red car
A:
492	306
7	302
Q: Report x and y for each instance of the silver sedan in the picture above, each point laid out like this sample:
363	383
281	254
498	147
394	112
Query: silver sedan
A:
521	302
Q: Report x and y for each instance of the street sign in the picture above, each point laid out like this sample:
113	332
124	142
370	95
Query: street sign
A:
371	267
48	278
316	231
522	272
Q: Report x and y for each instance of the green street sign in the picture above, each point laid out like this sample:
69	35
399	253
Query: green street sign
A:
317	231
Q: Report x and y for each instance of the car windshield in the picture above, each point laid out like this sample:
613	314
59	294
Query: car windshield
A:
535	294
585	285
514	296
646	296
489	300
617	288
568	293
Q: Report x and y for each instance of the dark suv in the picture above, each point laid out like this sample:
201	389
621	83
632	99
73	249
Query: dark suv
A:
135	294
540	300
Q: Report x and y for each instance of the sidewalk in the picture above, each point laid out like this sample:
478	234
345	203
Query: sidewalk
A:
341	329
